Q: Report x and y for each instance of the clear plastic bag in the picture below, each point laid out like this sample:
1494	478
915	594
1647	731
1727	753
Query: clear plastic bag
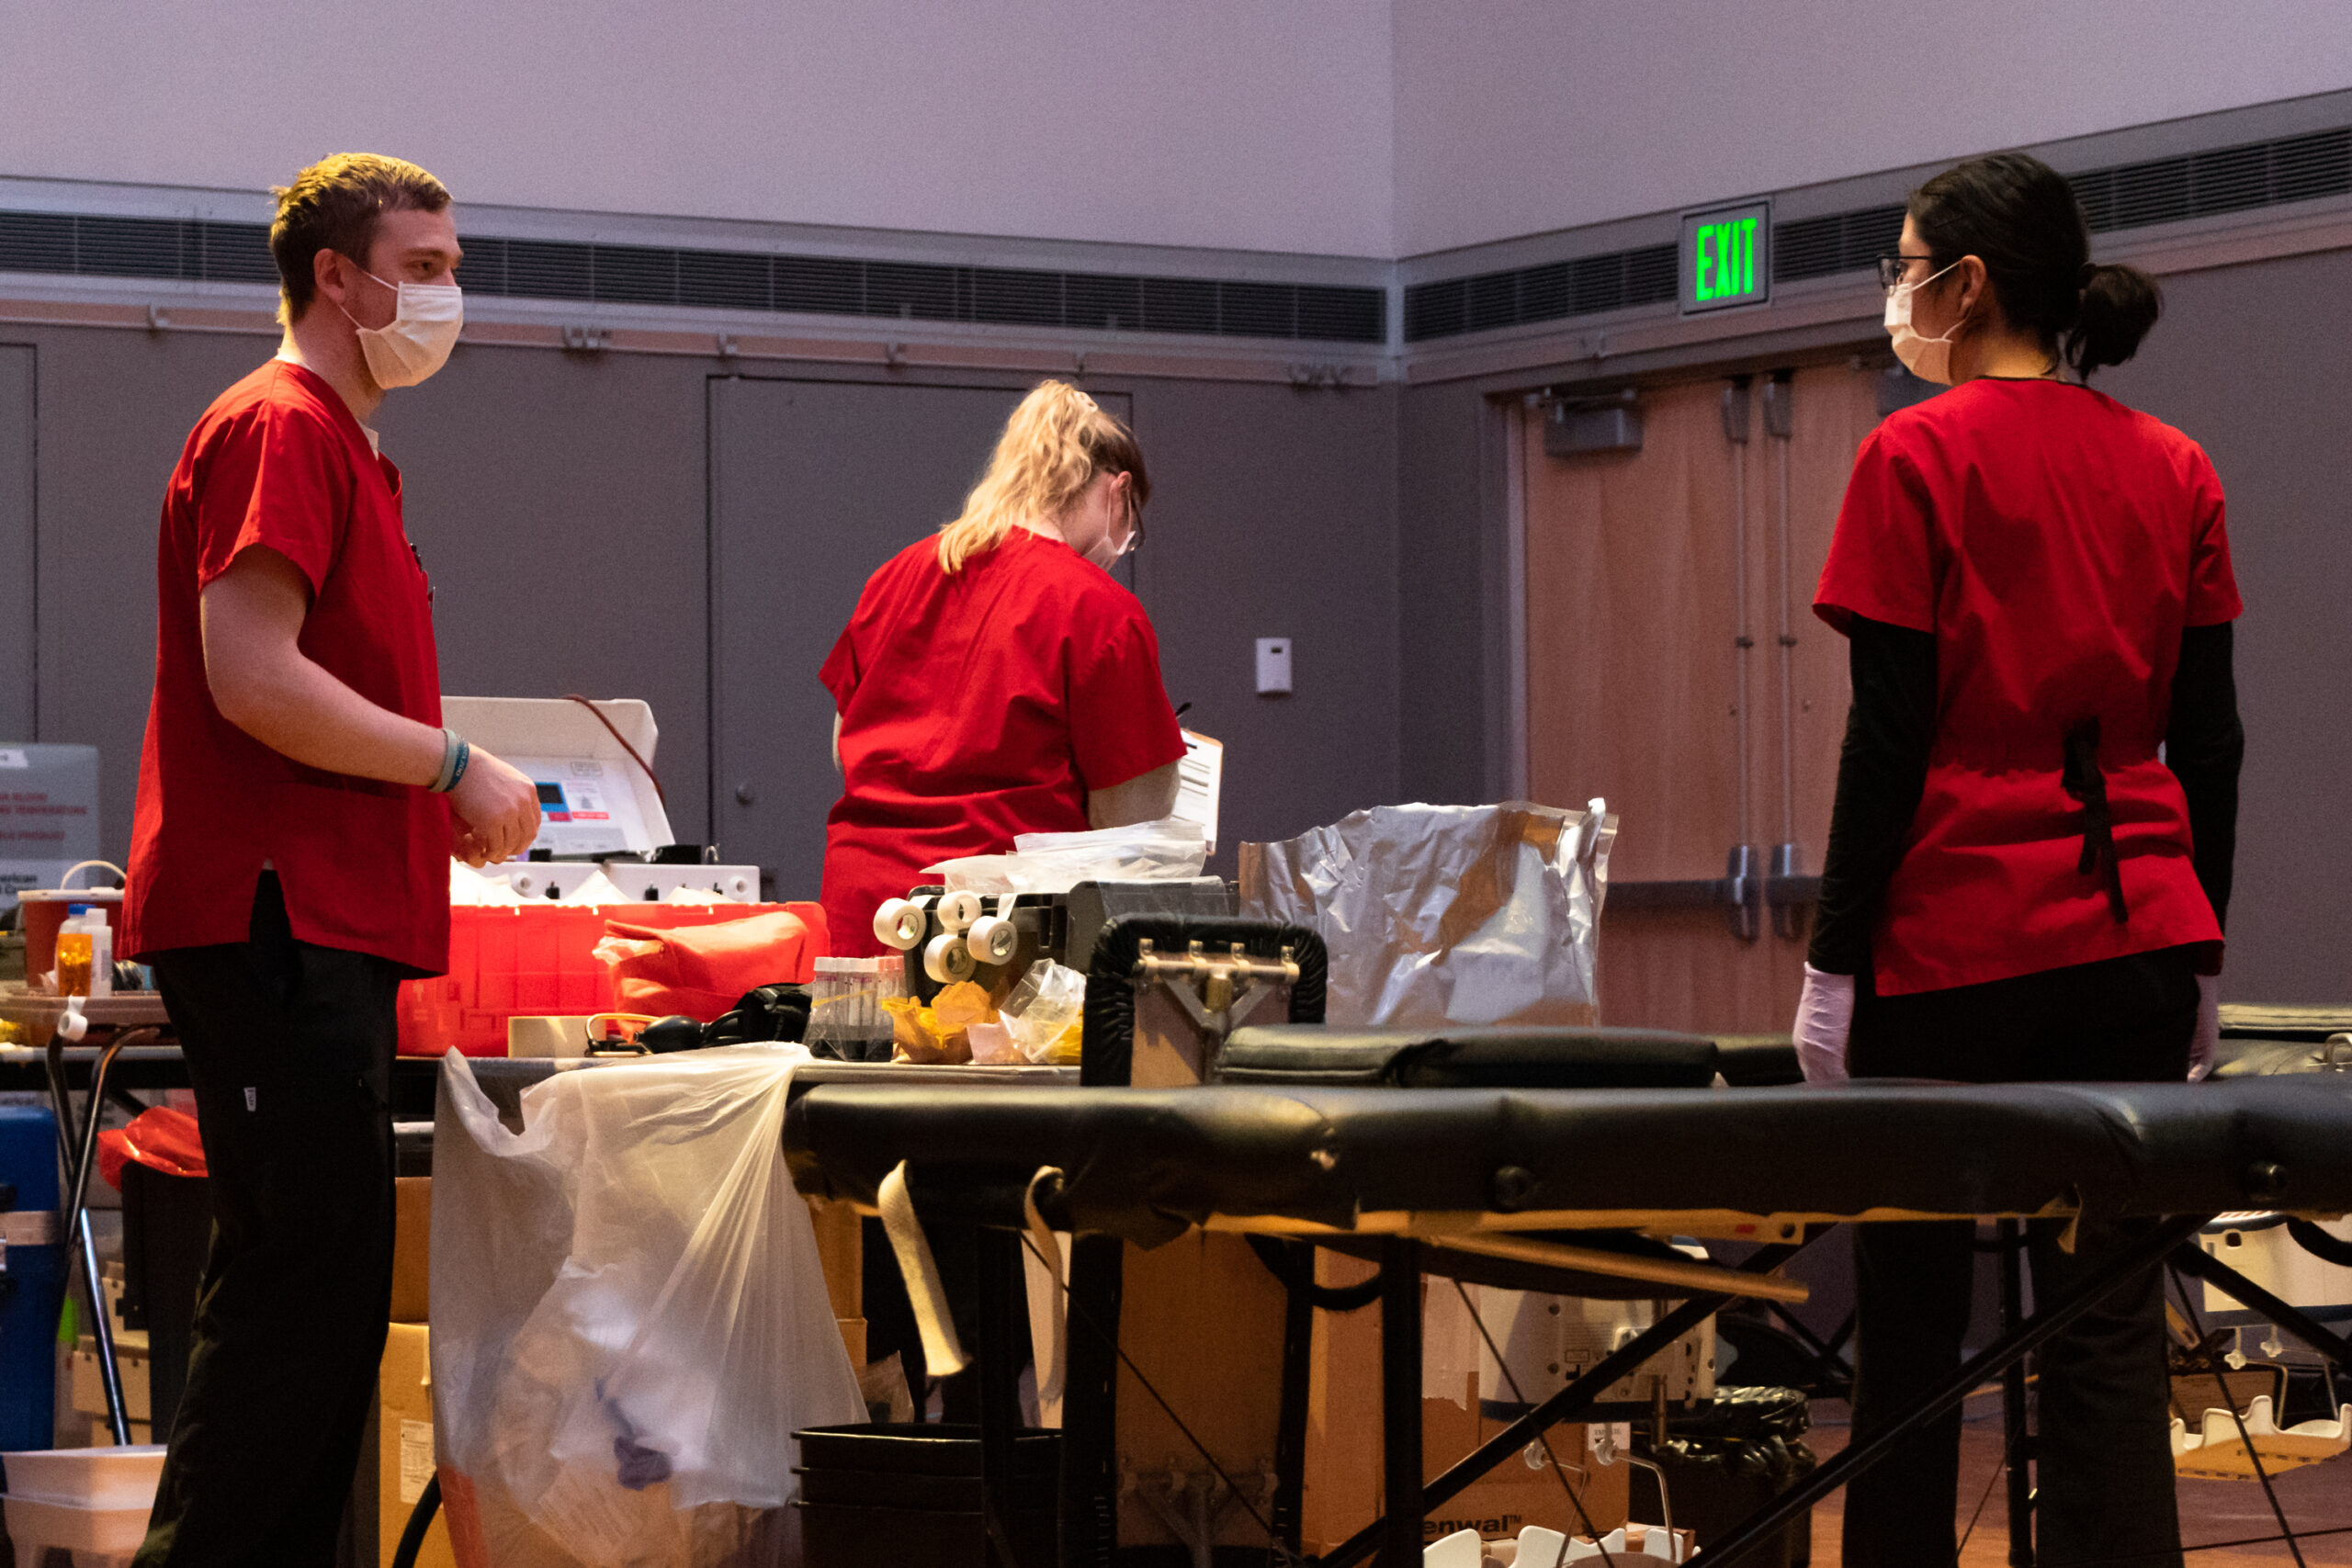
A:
1044	1013
1054	863
631	1318
1436	915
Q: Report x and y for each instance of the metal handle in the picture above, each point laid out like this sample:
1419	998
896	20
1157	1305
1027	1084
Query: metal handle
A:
1739	889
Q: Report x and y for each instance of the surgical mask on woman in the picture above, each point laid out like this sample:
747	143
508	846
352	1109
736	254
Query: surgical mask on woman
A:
1928	358
1105	554
418	339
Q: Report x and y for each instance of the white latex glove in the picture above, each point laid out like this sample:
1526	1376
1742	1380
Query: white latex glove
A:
2207	1040
1824	1020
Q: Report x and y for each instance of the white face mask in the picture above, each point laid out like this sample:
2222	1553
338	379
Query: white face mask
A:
1105	554
417	341
1928	358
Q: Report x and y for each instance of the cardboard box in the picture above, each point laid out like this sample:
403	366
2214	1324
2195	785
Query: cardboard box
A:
404	1453
1512	1495
90	1389
1343	1481
411	1248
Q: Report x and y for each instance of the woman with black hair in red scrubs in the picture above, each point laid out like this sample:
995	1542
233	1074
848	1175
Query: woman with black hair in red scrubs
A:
2029	854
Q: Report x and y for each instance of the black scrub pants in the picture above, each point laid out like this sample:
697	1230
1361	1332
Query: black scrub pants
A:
290	1049
2106	1473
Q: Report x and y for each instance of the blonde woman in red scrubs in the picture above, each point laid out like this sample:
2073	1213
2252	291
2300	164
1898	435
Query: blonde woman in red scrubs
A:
2029	855
995	679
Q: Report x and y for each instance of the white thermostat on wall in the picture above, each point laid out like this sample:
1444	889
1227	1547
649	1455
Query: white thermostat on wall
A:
1273	666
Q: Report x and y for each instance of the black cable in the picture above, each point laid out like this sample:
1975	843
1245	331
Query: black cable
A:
1170	1411
419	1520
1998	1471
1279	1262
1542	1438
2319	1244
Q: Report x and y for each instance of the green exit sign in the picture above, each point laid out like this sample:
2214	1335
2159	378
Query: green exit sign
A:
1725	258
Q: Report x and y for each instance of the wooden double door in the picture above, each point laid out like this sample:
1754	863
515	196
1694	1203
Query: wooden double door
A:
1675	667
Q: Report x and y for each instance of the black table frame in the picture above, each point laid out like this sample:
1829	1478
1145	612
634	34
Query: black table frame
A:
1393	1540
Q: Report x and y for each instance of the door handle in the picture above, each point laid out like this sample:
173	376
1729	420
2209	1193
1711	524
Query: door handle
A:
745	794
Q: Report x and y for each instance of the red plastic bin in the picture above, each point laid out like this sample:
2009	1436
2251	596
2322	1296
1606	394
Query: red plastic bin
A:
510	961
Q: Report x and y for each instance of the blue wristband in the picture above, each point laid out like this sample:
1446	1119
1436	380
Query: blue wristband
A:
465	755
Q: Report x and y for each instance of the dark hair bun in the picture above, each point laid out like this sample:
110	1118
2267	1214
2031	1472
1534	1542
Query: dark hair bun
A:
2120	304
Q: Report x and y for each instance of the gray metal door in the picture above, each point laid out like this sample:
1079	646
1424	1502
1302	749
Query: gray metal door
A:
17	713
813	484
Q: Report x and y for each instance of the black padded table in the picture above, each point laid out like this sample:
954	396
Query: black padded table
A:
1147	1164
1424	1170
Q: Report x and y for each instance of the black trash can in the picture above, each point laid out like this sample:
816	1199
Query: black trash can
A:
910	1492
1725	1459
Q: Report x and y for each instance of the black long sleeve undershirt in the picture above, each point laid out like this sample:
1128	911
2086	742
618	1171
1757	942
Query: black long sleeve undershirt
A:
2204	745
1882	772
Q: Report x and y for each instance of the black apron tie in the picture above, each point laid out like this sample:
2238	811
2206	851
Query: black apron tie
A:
2083	779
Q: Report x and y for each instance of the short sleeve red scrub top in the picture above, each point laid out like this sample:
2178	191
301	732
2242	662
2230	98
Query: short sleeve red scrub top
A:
279	461
2057	543
979	705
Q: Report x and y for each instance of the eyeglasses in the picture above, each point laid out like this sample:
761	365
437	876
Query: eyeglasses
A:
1891	270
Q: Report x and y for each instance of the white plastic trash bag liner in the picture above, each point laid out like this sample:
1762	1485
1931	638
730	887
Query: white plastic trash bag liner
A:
630	1319
1436	915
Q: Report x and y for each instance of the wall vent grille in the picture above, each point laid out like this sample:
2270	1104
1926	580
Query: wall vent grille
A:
1843	241
1550	292
737	280
2127	196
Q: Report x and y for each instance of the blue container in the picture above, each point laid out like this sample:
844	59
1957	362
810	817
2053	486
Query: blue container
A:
32	1282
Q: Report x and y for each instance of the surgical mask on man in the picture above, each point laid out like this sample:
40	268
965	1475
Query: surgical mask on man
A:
1928	358
418	339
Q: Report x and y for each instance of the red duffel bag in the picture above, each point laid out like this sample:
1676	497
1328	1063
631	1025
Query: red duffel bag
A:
702	971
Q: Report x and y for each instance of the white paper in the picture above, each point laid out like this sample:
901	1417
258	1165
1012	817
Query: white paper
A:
49	814
1200	780
417	1459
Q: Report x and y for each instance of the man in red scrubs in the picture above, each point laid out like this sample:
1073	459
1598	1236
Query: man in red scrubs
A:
298	799
997	679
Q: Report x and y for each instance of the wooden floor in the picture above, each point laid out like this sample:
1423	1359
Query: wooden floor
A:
2316	1498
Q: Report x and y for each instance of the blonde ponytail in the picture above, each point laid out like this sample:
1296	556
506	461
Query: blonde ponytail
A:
1054	444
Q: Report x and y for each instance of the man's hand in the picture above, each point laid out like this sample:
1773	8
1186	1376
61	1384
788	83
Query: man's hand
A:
495	812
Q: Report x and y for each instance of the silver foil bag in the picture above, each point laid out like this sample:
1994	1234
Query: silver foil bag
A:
1438	915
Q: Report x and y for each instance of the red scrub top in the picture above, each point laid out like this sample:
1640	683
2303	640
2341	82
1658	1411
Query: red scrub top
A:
2056	544
279	461
979	705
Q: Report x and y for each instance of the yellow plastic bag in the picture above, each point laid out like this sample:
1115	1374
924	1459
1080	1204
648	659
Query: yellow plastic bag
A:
937	1033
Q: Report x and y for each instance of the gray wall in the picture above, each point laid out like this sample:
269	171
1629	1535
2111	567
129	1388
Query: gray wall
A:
114	408
1453	722
1273	513
2256	363
16	553
560	503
